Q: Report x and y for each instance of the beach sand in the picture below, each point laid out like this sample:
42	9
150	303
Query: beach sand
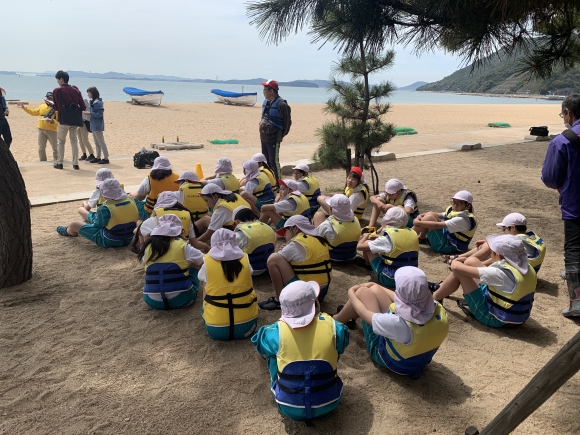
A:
83	354
128	128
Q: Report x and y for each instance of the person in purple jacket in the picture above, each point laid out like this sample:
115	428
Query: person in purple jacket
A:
561	171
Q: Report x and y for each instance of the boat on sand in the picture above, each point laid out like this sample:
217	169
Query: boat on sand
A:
235	98
140	96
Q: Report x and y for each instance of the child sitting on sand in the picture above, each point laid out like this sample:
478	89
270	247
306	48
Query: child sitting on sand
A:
160	179
302	351
229	310
256	238
96	199
500	293
304	257
171	266
516	225
451	231
257	190
396	194
308	185
341	229
290	202
190	195
113	223
223	176
396	246
403	329
356	190
263	163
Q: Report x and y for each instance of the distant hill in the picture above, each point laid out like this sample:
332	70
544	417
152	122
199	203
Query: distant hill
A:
412	87
498	76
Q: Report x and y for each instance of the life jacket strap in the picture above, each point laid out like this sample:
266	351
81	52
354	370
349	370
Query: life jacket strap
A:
316	389
230	306
317	377
508	300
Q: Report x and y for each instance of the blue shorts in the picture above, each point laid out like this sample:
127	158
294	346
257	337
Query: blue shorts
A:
143	214
478	307
281	224
241	330
385	274
95	235
182	299
91	216
372	341
440	243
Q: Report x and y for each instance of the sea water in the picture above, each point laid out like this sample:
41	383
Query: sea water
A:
31	87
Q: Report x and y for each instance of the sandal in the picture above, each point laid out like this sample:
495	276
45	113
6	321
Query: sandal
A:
464	307
434	286
62	230
449	258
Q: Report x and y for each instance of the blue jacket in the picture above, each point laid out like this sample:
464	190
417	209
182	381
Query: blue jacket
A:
97	119
561	171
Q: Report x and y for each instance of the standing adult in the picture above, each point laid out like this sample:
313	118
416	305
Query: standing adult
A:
4	126
47	126
274	125
561	171
69	104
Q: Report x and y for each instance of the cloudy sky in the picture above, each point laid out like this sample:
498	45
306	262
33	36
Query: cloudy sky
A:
186	38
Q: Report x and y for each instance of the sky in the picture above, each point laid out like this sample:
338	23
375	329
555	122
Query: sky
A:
186	38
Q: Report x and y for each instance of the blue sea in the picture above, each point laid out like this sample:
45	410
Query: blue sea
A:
30	87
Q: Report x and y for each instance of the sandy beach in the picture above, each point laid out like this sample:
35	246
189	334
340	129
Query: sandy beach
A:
128	128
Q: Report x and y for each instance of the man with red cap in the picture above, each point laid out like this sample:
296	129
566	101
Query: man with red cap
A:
274	124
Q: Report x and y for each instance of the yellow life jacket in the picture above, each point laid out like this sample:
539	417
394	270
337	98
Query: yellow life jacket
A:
307	360
271	177
404	247
401	199
363	189
157	186
317	266
102	199
230	182
302	206
231	206
124	217
264	190
343	246
192	199
183	215
531	239
514	307
168	273
461	239
313	192
410	359
228	303
261	242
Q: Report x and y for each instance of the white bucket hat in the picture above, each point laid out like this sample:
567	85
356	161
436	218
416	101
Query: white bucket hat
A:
395	217
463	195
511	248
102	175
513	219
161	163
340	205
298	303
394	185
111	189
303	223
260	158
223	166
413	300
211	188
224	246
302	167
167	199
251	169
187	176
168	225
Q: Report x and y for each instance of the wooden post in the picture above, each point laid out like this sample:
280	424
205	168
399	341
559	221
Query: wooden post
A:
562	366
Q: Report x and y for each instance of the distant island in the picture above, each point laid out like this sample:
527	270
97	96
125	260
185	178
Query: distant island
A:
412	87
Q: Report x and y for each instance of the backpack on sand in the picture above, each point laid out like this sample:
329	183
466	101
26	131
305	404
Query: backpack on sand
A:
144	158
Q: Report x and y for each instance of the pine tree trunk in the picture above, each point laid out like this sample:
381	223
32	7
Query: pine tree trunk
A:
15	229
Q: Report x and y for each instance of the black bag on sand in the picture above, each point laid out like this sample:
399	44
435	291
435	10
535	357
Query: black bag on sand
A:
539	131
144	158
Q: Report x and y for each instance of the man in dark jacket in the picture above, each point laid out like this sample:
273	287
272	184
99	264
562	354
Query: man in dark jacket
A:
4	126
561	171
66	97
274	125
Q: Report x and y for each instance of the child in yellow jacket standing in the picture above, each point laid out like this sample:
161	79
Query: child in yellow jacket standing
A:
47	126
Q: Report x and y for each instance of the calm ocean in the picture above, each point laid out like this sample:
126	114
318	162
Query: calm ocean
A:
34	88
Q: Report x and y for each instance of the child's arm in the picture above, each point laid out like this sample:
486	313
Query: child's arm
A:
363	243
459	267
359	307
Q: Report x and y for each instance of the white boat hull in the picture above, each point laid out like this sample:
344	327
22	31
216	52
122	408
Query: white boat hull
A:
248	100
150	99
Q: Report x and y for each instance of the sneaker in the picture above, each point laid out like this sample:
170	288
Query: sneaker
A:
270	305
103	162
57	166
95	160
76	167
359	261
83	157
90	157
62	230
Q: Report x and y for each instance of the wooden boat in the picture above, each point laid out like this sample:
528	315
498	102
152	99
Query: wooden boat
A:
235	98
140	96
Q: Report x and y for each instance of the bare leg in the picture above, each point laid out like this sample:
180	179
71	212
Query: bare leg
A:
429	217
375	213
348	313
270	216
74	227
202	224
322	202
318	218
280	272
84	213
454	280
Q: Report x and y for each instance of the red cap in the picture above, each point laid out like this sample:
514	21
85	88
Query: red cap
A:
281	231
271	84
357	171
281	182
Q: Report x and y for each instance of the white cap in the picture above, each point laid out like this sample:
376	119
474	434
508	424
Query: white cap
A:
251	169
161	163
211	188
188	176
513	219
463	195
511	248
302	167
394	185
102	175
260	158
224	246
303	223
298	303
111	189
223	166
168	225
340	205
413	300
291	184
167	199
395	217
